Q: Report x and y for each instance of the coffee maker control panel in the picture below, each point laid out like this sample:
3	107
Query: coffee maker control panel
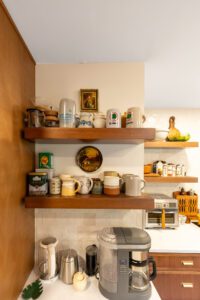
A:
123	265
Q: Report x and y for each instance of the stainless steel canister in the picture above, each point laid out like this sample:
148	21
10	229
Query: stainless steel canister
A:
69	266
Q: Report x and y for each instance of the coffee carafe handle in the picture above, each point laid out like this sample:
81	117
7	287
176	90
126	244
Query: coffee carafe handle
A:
153	274
91	184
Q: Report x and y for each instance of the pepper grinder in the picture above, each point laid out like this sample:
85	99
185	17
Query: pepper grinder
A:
91	260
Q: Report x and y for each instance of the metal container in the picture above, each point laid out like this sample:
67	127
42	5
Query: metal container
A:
69	266
37	183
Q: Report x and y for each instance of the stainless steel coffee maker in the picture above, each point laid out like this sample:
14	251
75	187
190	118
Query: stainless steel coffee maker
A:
124	264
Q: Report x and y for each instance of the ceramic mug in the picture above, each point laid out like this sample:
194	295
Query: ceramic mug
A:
134	118
133	185
112	185
86	184
69	185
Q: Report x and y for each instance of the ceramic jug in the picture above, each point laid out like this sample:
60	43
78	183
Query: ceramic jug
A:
86	120
69	185
86	184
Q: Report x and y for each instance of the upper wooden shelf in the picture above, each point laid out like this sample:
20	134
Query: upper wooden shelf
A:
163	144
171	179
89	135
91	202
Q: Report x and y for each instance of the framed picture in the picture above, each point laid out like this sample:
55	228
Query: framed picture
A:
89	100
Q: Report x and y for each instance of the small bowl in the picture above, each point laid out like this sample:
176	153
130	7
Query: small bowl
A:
161	134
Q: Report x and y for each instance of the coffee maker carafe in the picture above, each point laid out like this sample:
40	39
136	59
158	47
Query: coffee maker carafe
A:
124	264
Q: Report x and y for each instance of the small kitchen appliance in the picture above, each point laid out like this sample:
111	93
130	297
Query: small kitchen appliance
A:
47	259
124	264
165	214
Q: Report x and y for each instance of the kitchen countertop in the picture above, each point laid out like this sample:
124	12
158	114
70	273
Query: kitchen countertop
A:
59	291
184	239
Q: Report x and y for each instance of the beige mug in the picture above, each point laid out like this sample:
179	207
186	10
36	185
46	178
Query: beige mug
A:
133	185
134	118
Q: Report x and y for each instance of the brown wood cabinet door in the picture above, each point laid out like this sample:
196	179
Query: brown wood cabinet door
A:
179	262
178	286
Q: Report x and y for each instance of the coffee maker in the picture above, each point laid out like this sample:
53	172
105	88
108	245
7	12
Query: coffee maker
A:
124	264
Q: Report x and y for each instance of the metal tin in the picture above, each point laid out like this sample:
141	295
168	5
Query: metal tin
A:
37	183
69	266
55	186
45	160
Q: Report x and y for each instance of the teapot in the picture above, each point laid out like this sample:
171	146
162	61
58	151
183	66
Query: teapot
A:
86	184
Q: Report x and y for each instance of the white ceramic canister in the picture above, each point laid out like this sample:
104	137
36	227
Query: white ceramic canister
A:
113	118
55	186
134	118
67	111
99	120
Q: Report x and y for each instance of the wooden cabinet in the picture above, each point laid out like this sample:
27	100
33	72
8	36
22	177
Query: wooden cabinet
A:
178	276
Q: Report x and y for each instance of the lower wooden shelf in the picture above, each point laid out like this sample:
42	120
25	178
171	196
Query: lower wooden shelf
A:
171	179
91	202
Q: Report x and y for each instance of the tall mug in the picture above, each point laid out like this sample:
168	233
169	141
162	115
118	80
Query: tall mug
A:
134	118
134	185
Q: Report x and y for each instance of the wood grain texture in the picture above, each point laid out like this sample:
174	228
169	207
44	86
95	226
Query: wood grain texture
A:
172	275
92	135
90	202
17	87
171	179
163	144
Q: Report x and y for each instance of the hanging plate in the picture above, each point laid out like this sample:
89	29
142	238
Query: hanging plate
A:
89	159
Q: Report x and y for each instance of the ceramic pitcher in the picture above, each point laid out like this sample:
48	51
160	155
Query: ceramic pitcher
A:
86	184
69	185
86	120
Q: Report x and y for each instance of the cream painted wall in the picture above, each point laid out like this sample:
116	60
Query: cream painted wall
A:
121	85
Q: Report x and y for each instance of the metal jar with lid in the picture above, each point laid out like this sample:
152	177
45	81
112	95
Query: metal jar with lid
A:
69	266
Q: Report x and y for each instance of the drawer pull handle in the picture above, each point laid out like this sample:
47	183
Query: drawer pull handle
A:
187	285
187	263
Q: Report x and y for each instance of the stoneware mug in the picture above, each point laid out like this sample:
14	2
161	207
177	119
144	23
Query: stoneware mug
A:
134	118
133	185
69	185
86	184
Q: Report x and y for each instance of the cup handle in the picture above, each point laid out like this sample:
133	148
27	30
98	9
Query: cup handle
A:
79	185
91	184
141	189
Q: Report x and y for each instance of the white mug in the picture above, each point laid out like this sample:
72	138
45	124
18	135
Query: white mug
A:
133	185
134	118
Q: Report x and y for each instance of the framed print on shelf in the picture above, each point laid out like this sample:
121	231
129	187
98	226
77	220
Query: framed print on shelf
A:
89	100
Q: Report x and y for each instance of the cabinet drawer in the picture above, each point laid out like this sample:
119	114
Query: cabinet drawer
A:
178	286
177	261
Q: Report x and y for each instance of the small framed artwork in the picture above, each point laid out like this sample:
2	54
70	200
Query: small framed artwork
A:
89	100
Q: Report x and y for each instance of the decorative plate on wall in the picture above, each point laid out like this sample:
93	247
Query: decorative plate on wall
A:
89	159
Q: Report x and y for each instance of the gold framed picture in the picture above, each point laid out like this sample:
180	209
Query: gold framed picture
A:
89	100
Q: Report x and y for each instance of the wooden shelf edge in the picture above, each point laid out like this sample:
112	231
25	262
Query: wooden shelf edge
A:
98	135
175	179
165	144
90	202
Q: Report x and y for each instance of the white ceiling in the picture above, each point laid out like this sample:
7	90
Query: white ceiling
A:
163	33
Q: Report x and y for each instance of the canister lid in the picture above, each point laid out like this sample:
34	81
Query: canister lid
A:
69	255
48	242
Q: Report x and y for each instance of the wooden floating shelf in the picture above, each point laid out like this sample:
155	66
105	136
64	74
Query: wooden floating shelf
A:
89	135
163	144
171	179
91	202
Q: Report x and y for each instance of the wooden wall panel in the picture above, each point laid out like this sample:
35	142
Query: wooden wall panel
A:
17	87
